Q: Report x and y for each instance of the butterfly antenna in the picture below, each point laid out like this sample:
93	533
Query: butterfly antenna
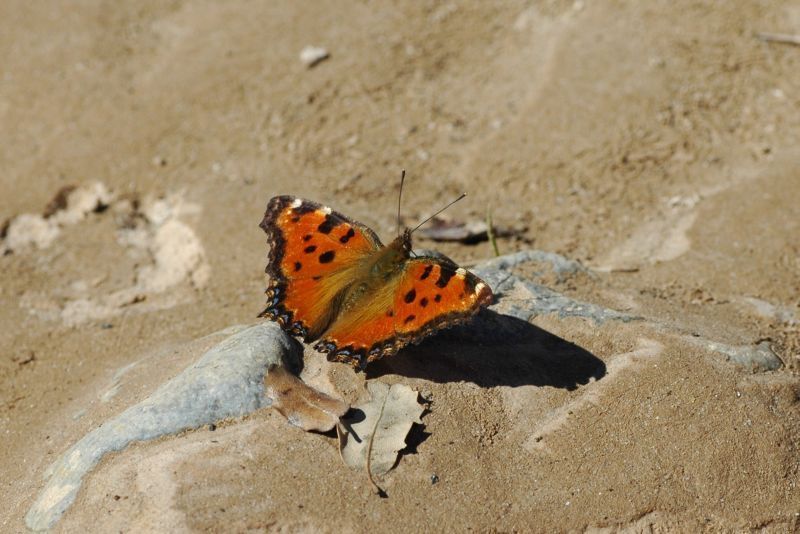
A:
400	197
438	212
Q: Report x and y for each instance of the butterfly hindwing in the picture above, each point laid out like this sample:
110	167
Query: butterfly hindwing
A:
363	333
313	251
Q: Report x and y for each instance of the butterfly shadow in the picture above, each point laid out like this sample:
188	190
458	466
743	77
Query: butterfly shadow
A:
495	350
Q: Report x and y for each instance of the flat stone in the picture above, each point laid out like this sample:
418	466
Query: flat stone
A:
227	381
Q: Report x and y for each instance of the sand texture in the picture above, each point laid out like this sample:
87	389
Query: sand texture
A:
638	372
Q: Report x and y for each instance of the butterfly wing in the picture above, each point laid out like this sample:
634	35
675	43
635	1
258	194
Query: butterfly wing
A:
427	294
436	293
313	254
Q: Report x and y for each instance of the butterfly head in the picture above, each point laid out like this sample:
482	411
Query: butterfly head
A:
402	245
405	240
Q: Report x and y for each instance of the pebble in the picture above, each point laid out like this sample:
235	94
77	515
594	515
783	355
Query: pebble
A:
311	56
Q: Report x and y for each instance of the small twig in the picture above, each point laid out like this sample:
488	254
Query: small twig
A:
490	231
369	453
782	38
341	436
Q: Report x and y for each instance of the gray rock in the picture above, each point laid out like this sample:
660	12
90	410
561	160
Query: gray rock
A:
544	301
559	263
539	299
757	358
227	381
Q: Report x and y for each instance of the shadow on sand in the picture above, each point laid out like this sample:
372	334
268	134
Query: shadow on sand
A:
495	350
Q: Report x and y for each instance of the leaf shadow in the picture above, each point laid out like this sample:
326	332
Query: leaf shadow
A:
354	415
416	437
495	350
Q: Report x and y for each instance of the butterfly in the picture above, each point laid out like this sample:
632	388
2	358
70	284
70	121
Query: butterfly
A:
332	281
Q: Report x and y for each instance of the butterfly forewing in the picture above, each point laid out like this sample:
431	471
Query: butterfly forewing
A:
310	240
427	294
312	251
435	293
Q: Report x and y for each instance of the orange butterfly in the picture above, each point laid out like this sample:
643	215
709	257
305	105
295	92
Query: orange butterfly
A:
332	280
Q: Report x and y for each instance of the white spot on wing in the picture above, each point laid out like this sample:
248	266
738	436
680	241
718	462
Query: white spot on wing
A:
296	203
461	272
326	210
479	287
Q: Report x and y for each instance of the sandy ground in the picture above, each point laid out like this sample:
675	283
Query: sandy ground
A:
655	142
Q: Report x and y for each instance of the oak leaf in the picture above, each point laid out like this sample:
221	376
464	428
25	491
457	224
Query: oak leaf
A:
372	435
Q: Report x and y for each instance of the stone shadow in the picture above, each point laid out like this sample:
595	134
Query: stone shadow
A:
495	350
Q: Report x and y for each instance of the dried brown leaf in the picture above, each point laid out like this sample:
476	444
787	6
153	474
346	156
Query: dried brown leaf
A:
303	406
372	437
467	232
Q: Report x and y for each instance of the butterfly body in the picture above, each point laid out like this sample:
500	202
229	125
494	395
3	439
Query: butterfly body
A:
332	281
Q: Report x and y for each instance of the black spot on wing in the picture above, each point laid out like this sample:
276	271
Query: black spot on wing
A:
427	272
410	318
423	301
297	266
309	249
327	257
328	224
307	237
346	237
444	277
410	296
437	298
